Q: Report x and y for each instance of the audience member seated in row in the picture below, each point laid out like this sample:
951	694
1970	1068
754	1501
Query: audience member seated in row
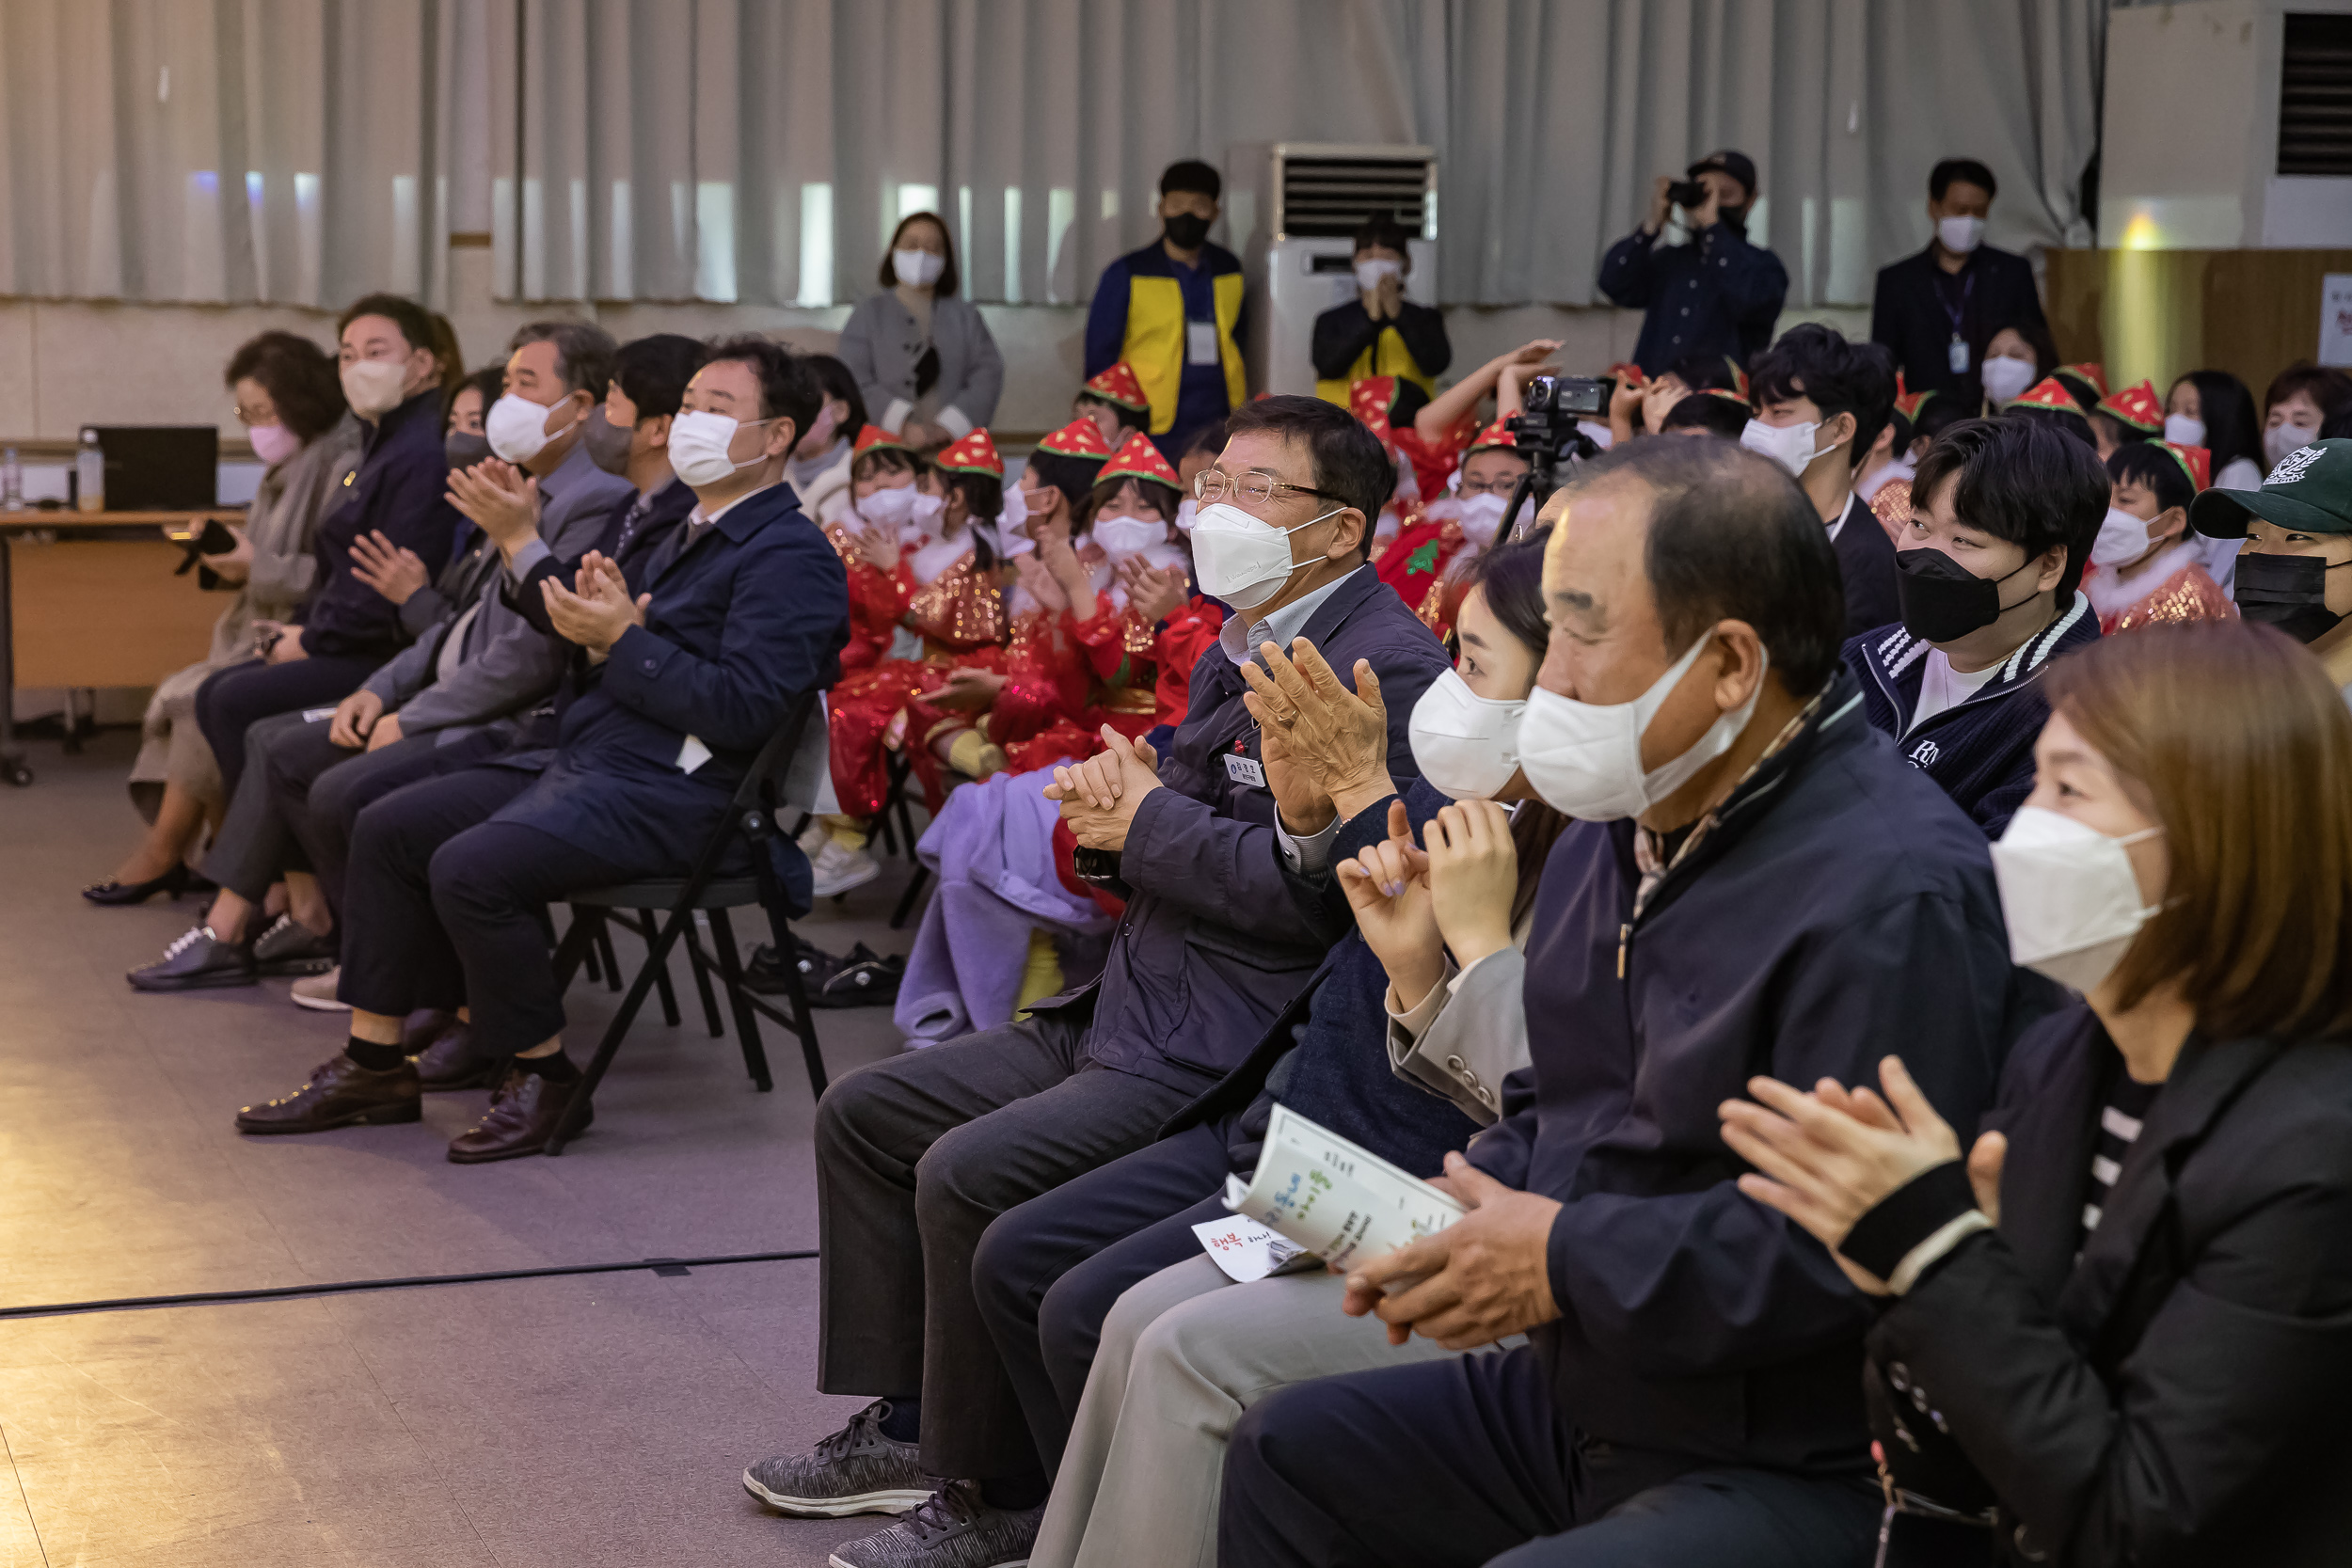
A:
1135	1392
690	656
1639	404
819	470
915	1156
1821	402
2299	406
397	384
2003	515
2147	566
2121	1331
1113	399
291	403
1428	560
1788	893
2297	529
450	699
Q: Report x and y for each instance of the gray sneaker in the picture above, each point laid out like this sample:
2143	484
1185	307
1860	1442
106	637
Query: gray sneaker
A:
856	1471
953	1529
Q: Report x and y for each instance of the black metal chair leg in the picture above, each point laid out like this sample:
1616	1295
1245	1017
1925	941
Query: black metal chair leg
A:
662	976
746	1021
780	932
656	954
604	953
701	967
588	964
907	900
576	949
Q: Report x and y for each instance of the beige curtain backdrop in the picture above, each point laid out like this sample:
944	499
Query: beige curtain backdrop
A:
759	151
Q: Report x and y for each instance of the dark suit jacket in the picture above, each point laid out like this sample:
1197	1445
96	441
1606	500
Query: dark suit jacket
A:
1866	564
1212	944
1908	317
2175	1393
756	611
399	488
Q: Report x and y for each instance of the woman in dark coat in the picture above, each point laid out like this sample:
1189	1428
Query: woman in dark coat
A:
2122	1332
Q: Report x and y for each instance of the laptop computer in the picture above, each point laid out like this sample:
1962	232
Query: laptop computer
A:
159	468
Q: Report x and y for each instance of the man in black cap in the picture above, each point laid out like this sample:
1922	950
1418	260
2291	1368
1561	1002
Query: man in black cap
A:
2295	570
1716	295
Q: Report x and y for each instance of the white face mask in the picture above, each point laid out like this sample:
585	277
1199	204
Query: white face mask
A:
698	447
889	508
373	386
2122	539
1467	746
1122	537
517	428
2005	376
1585	758
1186	509
922	514
1789	444
1016	513
1481	517
1960	235
1241	559
2184	429
2280	439
920	268
1371	275
2069	895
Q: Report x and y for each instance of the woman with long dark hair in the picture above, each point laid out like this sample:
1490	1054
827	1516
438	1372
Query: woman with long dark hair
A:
2120	1328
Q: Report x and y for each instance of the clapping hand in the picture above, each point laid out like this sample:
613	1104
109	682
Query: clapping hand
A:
967	691
597	610
501	499
878	542
1473	875
1338	738
1099	796
392	570
1827	1157
1153	593
1485	1276
1388	886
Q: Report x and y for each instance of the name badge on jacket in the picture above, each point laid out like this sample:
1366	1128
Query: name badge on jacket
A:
1247	770
1200	345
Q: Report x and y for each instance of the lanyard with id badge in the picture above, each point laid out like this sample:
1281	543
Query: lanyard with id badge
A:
1200	344
1957	355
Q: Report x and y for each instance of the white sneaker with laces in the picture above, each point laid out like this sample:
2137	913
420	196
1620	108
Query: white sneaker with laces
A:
838	868
317	993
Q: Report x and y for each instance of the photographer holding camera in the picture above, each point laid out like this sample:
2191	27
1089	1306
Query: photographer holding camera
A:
1716	295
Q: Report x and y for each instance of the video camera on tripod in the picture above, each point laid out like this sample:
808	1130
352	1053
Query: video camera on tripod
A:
1545	433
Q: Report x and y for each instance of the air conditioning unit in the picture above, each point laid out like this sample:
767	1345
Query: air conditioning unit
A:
1312	197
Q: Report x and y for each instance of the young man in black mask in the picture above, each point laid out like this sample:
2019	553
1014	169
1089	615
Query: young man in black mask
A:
2003	515
2298	528
1174	311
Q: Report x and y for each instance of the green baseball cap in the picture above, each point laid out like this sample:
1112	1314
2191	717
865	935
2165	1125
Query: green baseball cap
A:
2310	491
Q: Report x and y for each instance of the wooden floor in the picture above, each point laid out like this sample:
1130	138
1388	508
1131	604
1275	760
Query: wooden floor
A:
564	1421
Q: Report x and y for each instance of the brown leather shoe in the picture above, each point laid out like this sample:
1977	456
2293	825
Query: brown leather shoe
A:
341	1093
447	1060
523	1114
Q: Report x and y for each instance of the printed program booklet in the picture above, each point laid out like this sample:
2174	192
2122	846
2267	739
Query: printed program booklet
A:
1331	1197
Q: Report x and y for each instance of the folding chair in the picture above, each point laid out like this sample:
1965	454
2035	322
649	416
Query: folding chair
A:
901	773
666	911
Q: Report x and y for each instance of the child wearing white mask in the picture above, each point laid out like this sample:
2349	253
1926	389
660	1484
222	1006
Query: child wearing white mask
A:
2148	567
1432	552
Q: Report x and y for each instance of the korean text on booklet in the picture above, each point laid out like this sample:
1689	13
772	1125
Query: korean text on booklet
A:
1334	1198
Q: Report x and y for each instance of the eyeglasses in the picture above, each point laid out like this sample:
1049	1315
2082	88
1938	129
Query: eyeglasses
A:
1211	485
1487	486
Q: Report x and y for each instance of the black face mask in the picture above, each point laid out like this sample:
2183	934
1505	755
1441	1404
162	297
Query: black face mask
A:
1186	231
464	450
1941	601
2289	591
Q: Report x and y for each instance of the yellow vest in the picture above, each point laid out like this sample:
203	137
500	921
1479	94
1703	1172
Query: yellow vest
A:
1388	355
1155	341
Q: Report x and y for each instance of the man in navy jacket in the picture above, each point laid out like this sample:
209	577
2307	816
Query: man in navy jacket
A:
1716	295
693	663
2004	512
917	1156
1800	904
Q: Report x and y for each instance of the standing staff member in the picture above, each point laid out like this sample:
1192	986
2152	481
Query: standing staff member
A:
1939	310
1717	296
1174	311
1380	332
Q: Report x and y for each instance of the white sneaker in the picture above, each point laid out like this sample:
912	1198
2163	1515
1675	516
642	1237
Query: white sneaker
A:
839	868
317	993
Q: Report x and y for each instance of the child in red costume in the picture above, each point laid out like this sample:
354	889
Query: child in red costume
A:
2146	569
1428	554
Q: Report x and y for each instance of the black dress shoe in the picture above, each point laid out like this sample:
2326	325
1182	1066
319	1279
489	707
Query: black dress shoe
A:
341	1093
523	1114
115	895
870	981
198	960
289	947
762	974
449	1061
